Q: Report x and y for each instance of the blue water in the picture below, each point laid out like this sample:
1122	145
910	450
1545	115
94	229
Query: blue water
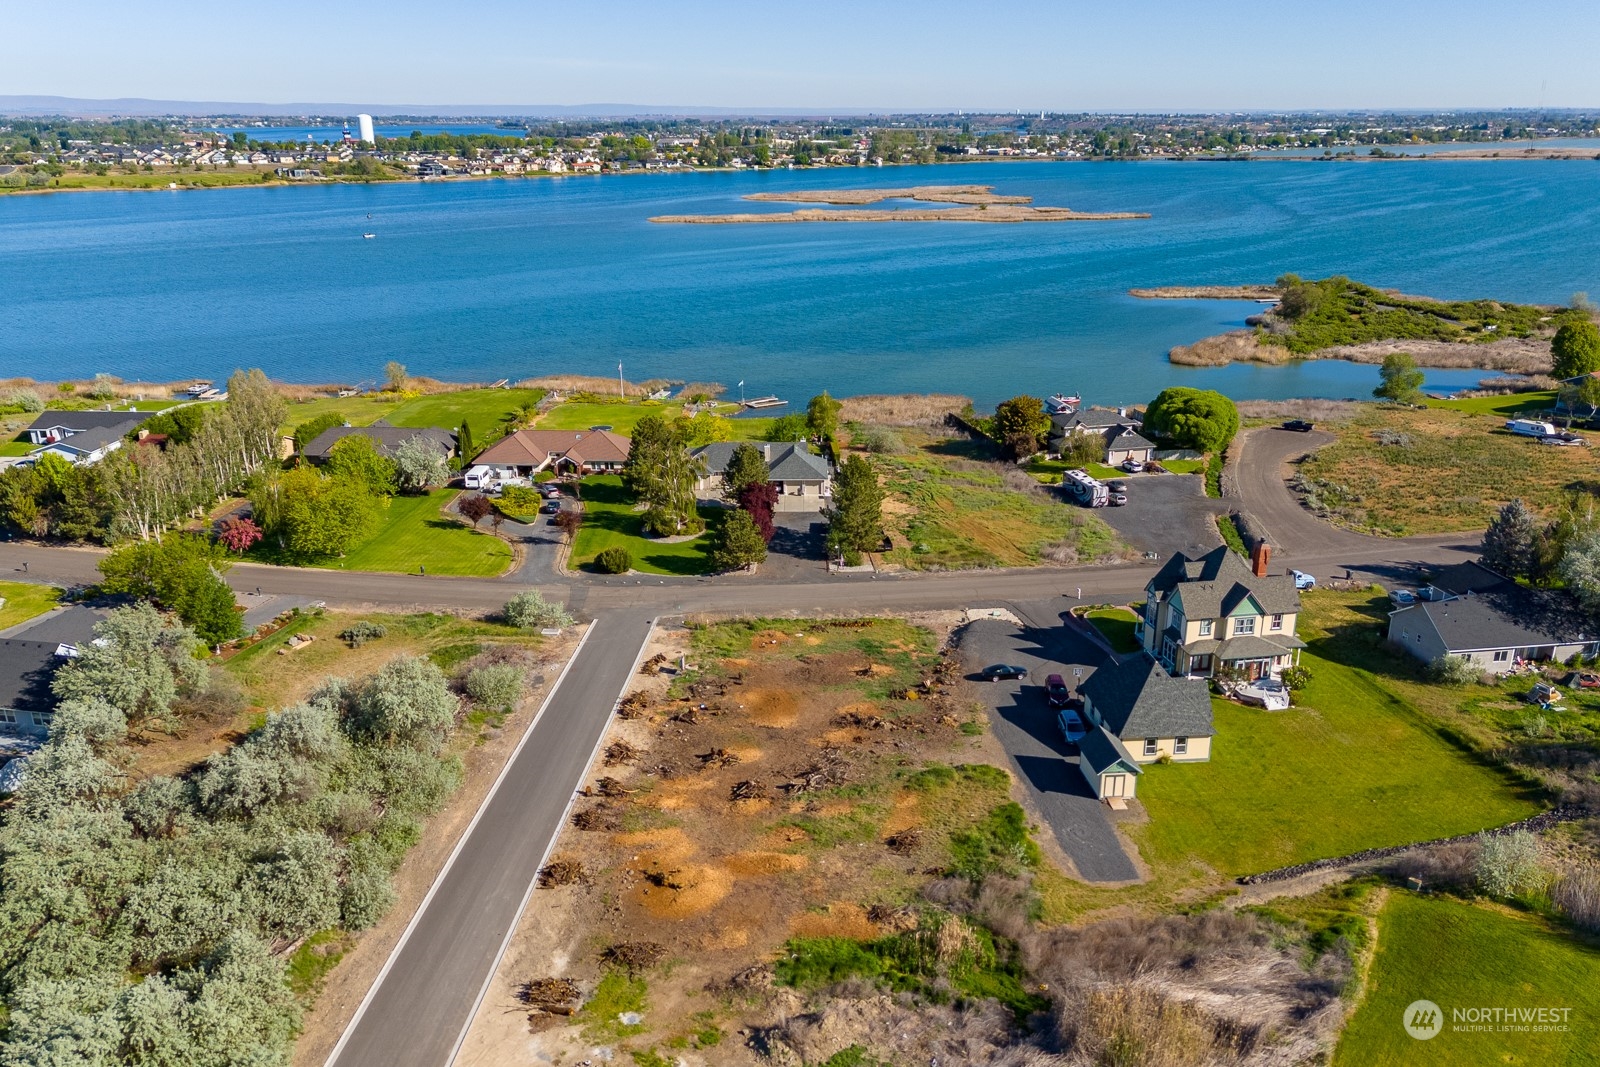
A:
327	134
513	278
1505	148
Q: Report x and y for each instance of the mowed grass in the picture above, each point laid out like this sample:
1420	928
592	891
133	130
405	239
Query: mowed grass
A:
1462	955
623	417
24	600
361	410
1454	470
1117	625
484	409
609	520
415	533
1354	765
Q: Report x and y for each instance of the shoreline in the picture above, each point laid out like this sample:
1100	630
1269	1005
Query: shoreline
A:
1509	355
1000	214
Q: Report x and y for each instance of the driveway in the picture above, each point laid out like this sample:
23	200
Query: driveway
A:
1044	763
1167	513
798	549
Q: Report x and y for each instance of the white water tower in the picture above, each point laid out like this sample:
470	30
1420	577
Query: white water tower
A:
365	124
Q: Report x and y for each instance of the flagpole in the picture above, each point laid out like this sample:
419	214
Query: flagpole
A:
621	391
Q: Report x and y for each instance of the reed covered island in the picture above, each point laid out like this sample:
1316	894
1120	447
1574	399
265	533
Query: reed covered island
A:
955	203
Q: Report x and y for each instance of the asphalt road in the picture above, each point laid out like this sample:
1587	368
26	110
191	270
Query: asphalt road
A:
1167	513
1044	763
419	1009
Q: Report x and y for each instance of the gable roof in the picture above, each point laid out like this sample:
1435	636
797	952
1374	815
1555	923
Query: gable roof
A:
600	446
1125	437
1506	616
531	448
1136	698
1101	751
87	441
1216	583
786	462
82	421
1458	579
1092	419
385	437
26	668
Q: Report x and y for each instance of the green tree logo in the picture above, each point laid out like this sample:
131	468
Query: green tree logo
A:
1423	1019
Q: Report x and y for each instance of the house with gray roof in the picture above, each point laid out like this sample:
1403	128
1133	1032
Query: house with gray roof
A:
26	669
1489	620
81	437
1150	712
1108	766
803	479
1219	610
385	437
1118	431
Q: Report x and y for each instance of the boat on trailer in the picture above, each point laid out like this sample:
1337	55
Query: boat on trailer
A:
1269	693
1063	404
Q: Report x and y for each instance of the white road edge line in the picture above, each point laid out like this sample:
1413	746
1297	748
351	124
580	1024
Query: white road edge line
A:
461	843
533	880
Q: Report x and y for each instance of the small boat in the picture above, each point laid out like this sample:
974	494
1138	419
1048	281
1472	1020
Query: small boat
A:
1269	693
1062	404
369	236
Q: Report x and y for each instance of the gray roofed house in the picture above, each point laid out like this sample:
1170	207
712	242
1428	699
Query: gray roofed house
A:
385	437
803	479
1117	428
1144	706
26	668
1219	609
1491	621
82	437
1107	765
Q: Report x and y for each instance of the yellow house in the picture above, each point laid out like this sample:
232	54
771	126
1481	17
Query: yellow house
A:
1218	610
1148	712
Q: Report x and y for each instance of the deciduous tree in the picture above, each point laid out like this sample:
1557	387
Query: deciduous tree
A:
474	507
760	500
1399	379
419	465
822	415
357	458
1021	425
238	534
1575	349
1201	419
139	662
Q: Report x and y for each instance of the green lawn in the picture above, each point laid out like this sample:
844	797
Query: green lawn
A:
484	409
24	600
1184	466
1507	404
1355	767
1049	471
609	519
17	446
1117	625
414	533
356	410
1461	955
623	417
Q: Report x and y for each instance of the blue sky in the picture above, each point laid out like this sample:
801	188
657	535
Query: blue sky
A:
934	55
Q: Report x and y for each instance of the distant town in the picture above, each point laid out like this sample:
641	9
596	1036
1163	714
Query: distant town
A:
40	153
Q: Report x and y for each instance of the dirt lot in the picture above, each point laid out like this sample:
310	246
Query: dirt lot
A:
771	792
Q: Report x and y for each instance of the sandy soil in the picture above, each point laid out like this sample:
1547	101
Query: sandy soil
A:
943	194
1515	354
1208	292
981	213
349	981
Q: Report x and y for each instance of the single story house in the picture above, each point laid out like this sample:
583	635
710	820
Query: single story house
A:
803	479
384	437
81	437
26	668
1149	711
519	456
1471	611
1108	766
1117	428
1218	609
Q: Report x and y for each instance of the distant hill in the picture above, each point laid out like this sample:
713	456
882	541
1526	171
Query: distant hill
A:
139	107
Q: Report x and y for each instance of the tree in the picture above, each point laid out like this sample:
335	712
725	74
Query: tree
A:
1510	544
738	543
1399	379
822	415
139	662
1580	570
475	507
395	376
529	609
760	500
1201	419
314	517
569	521
497	685
419	465
357	458
466	446
1021	425
705	427
653	438
661	474
747	466
855	518
181	573
408	703
1575	349
1585	393
789	428
238	534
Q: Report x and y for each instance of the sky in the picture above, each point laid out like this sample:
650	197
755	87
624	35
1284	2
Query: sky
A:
936	55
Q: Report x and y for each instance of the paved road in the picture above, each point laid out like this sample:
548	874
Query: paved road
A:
417	1013
1042	760
1167	513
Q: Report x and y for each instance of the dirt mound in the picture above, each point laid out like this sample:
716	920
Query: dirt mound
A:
756	863
841	919
776	708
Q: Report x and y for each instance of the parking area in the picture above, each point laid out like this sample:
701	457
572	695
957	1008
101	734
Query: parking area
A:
1026	728
1167	513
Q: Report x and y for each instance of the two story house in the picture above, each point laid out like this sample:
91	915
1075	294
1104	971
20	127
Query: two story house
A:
1218	610
1116	430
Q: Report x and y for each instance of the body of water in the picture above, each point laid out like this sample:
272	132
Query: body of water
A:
512	278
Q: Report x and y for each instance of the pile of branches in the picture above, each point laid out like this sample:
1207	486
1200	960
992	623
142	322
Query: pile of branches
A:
748	790
634	707
601	818
718	757
619	752
563	870
653	665
633	956
555	996
830	770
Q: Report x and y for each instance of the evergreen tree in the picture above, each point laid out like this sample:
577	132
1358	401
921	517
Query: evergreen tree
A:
1510	544
738	543
1021	425
855	518
1201	419
822	415
746	467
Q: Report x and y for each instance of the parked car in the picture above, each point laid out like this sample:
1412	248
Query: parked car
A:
1402	598
550	490
1071	726
1117	485
550	507
998	671
1117	500
1302	580
1056	691
1298	426
1133	466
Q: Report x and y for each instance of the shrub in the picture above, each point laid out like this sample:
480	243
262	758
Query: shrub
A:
614	560
362	632
24	400
1508	864
1453	670
528	609
1296	677
519	500
880	441
1577	894
495	686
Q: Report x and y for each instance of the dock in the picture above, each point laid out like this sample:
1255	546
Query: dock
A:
765	402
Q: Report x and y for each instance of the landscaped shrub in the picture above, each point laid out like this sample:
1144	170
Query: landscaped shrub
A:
614	560
519	500
495	686
1453	670
22	400
1296	677
528	609
362	632
1508	864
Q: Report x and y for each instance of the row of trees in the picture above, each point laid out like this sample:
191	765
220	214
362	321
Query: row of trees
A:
1180	417
1563	550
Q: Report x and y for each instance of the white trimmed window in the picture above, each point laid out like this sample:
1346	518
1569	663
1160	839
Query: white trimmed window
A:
1149	746
1205	627
1502	655
1245	624
1277	622
1180	746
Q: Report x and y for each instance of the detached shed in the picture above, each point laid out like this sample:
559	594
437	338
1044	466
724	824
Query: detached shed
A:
1108	766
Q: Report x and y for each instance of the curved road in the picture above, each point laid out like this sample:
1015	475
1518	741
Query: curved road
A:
420	1005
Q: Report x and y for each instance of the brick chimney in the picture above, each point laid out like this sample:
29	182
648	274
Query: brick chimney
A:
1260	557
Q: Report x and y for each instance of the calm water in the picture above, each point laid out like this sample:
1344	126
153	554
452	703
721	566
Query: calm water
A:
483	280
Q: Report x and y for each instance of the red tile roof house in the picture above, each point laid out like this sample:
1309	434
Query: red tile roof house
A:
517	458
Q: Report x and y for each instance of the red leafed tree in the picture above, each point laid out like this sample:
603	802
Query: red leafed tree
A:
760	500
475	507
238	534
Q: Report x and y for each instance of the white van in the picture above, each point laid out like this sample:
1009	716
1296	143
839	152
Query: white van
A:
1530	428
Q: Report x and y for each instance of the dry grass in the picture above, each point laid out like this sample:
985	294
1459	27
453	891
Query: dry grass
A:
1516	355
906	409
1318	411
581	383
